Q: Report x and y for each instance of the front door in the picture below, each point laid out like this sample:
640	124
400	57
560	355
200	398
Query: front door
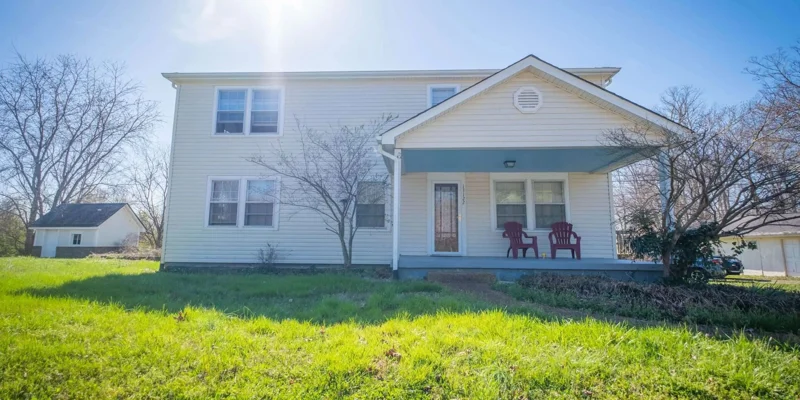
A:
446	218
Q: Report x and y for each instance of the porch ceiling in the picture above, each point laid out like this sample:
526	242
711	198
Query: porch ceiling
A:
573	159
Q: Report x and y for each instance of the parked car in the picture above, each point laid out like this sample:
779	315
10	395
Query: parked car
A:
732	265
703	270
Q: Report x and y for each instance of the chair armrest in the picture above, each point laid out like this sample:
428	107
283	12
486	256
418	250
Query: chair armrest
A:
550	236
577	239
505	234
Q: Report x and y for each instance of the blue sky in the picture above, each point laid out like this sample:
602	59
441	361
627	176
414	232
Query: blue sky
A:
658	44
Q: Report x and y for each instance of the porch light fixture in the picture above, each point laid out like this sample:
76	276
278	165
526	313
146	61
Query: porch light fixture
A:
509	163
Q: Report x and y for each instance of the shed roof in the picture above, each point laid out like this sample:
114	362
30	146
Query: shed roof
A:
790	225
81	215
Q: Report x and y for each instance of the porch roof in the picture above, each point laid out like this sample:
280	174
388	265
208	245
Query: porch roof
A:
573	159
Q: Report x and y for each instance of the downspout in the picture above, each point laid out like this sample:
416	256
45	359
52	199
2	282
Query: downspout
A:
396	157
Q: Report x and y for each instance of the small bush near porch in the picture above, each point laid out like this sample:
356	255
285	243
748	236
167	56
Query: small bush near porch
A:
771	307
119	329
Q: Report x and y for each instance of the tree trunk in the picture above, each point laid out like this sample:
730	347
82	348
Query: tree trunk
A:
345	254
666	258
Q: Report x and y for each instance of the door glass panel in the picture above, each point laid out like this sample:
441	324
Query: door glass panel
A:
445	217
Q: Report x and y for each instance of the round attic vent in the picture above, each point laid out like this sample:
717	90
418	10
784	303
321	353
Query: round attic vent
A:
527	99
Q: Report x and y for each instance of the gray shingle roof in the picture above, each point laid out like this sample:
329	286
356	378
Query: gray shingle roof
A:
78	215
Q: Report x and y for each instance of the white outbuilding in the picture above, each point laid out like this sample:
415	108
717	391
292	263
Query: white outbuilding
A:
77	230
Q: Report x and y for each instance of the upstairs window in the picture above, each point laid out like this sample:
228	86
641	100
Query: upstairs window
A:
249	111
265	110
230	111
440	93
371	205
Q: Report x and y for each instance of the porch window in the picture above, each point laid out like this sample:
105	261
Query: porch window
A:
510	203
230	111
549	204
259	203
223	207
371	205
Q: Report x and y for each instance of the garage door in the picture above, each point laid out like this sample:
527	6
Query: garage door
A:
791	247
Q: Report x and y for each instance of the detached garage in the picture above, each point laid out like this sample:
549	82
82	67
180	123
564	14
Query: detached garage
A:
778	250
77	230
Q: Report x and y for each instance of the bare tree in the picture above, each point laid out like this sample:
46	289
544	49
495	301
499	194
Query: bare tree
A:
12	231
723	168
147	190
65	125
324	176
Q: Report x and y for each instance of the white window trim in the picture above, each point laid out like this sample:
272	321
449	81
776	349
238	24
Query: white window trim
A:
530	209
440	86
72	239
247	109
387	222
242	201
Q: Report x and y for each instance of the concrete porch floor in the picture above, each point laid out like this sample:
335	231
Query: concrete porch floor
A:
509	269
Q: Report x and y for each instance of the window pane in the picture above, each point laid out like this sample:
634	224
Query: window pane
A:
225	191
258	214
230	111
439	95
509	192
549	192
222	214
371	193
263	191
548	214
371	215
508	213
266	100
231	100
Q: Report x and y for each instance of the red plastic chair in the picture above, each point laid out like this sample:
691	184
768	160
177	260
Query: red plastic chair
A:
562	233
514	233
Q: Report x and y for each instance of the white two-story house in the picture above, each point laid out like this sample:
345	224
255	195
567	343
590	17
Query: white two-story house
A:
532	132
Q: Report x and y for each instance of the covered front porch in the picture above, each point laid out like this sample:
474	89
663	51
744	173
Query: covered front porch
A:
453	204
525	145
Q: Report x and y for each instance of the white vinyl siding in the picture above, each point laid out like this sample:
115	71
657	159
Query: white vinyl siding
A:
301	236
490	120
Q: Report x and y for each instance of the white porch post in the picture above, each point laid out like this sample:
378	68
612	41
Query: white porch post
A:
396	209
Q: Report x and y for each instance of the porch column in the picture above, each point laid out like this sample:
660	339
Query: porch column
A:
398	170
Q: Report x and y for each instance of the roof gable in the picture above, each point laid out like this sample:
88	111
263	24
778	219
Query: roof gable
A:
549	72
83	215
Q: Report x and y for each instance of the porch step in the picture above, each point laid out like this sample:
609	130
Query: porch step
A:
461	277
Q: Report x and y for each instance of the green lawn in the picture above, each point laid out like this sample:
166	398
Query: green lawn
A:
119	329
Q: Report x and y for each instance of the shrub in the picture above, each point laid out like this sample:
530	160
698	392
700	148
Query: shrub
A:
764	307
